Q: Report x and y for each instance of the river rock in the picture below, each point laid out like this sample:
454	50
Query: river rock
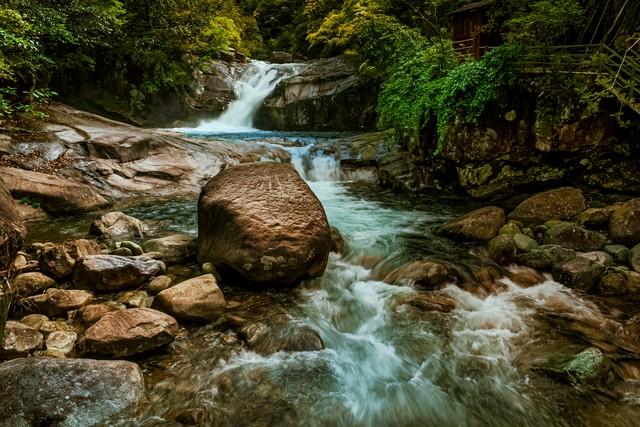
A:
112	273
619	253
268	339
601	258
196	299
28	284
427	302
58	196
121	252
175	249
34	320
12	229
502	249
135	248
68	392
524	243
594	218
561	203
613	283
61	342
56	302
127	332
624	223
588	367
263	222
510	229
634	258
337	241
579	273
117	224
135	299
159	284
58	260
574	237
481	225
426	273
90	314
20	340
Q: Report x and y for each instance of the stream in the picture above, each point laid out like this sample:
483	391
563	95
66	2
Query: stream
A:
385	363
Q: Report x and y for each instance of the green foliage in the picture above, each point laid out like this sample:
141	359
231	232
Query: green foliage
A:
435	88
544	21
30	202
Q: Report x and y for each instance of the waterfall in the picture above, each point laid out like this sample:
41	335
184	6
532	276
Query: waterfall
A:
255	84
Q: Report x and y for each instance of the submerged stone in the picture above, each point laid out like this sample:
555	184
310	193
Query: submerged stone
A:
588	367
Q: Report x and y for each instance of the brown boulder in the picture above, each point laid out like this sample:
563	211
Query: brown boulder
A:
117	224
111	273
58	196
561	203
574	237
19	340
482	225
263	222
12	229
175	249
56	302
90	314
426	273
624	223
28	284
58	260
126	332
199	298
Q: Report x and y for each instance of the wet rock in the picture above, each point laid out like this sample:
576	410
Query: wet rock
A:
613	283
634	258
58	260
263	222
28	284
121	252
117	224
58	196
561	203
481	225
112	273
428	301
426	273
545	256
574	237
135	299
594	218
588	367
624	223
175	249
511	228
601	258
337	242
34	320
196	299
525	243
502	249
619	253
135	248
56	302
68	392
271	339
579	273
61	342
90	314
12	229
159	284
127	332
525	276
20	340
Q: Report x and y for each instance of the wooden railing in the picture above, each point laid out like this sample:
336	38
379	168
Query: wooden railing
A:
618	72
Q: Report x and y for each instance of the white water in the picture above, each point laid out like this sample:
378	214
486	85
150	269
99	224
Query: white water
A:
256	83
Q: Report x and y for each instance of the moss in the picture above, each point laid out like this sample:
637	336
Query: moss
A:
587	367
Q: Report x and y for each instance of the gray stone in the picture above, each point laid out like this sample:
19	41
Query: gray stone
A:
112	273
524	242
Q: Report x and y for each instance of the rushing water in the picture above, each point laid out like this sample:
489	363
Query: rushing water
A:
385	363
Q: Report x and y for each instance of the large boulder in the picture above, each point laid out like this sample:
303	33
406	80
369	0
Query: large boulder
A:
117	224
58	196
579	273
559	204
624	223
57	302
574	237
196	299
127	332
58	260
111	273
68	392
27	284
262	221
481	225
12	229
175	249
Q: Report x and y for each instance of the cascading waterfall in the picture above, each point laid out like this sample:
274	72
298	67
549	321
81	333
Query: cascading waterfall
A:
256	83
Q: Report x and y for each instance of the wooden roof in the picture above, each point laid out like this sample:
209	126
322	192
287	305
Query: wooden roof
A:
472	6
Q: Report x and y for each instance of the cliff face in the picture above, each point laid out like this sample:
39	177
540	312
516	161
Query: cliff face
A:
327	96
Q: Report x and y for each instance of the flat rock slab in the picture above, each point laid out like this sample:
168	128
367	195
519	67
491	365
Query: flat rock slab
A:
58	196
112	273
126	332
196	299
68	392
19	341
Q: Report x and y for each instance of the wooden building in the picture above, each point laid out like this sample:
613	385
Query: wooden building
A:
470	37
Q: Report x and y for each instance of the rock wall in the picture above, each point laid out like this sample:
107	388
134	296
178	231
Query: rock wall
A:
327	96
